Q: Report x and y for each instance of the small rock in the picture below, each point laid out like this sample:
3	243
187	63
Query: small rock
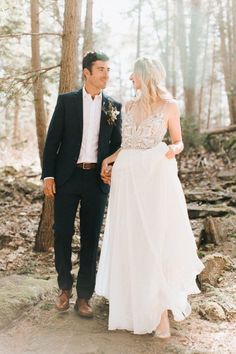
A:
206	196
212	311
227	175
209	247
214	231
215	264
202	211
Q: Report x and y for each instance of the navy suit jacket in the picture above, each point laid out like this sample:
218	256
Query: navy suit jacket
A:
64	137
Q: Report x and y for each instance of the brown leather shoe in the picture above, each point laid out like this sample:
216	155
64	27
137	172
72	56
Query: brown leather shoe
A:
83	308
62	301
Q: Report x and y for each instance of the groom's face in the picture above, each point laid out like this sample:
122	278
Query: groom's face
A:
99	74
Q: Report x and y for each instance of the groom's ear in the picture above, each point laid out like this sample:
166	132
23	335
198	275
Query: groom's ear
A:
86	72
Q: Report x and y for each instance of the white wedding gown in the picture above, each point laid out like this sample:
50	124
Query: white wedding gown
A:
148	261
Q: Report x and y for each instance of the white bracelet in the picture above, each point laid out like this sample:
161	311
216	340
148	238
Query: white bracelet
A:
173	148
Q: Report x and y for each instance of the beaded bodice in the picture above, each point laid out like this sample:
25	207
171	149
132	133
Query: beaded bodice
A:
146	135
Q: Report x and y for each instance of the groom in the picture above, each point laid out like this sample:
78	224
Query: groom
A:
85	129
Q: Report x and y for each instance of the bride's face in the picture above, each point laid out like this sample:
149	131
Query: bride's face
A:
136	81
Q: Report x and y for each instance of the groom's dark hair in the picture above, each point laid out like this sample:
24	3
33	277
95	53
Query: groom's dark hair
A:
91	57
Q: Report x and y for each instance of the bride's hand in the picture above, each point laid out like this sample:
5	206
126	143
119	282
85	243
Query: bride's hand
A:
170	153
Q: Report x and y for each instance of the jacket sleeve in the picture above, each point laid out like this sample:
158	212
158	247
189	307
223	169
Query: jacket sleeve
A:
53	139
116	133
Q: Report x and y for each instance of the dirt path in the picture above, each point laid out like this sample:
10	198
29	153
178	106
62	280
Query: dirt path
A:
42	330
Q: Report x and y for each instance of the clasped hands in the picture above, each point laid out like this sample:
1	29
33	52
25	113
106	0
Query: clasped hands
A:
106	171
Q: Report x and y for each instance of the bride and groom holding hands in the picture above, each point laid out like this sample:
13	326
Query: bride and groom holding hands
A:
148	262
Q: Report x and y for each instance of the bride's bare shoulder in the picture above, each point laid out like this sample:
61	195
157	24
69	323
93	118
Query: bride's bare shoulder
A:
173	106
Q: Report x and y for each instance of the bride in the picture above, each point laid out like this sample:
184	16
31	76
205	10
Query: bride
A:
148	262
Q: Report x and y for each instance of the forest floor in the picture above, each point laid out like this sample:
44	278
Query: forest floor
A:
38	328
42	330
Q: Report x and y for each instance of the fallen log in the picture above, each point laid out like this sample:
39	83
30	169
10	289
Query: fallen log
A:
230	128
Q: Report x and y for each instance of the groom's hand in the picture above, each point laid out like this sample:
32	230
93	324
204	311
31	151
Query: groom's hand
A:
106	173
49	187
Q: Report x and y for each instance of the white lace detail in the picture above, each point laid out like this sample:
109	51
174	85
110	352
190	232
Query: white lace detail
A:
148	134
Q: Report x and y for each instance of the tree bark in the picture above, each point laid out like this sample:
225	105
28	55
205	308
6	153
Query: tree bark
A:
78	78
44	237
233	62
189	52
139	28
167	52
16	128
204	66
173	64
228	46
37	83
69	46
156	25
88	28
211	86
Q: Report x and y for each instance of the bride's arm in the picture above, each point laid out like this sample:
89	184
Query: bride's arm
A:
110	159
175	131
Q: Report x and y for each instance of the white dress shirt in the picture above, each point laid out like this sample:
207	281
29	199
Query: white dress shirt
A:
91	126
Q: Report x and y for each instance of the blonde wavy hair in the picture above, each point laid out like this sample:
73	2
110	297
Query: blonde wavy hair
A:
151	74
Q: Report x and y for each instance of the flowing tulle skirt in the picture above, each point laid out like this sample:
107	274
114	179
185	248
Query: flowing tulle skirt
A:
148	260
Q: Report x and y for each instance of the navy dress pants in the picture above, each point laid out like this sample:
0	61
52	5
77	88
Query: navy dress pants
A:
81	192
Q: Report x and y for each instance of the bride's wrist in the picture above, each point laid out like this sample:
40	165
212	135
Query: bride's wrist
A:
172	148
176	148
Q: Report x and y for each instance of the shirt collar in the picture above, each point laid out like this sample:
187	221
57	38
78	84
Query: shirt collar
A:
86	95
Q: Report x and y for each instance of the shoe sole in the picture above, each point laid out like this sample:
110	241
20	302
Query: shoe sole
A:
82	314
85	316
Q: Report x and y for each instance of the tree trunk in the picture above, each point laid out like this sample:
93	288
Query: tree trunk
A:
228	55
78	79
204	65
37	83
167	53
211	87
88	28
16	128
173	70
44	237
139	28
155	19
69	45
233	63
189	58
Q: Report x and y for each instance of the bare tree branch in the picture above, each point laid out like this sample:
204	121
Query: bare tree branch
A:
42	70
16	35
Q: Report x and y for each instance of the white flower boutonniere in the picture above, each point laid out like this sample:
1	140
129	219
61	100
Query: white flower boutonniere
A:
111	112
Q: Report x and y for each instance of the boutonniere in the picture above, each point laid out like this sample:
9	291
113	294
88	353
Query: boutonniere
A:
110	111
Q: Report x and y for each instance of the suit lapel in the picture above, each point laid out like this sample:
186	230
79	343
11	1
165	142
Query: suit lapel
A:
103	121
79	114
104	126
